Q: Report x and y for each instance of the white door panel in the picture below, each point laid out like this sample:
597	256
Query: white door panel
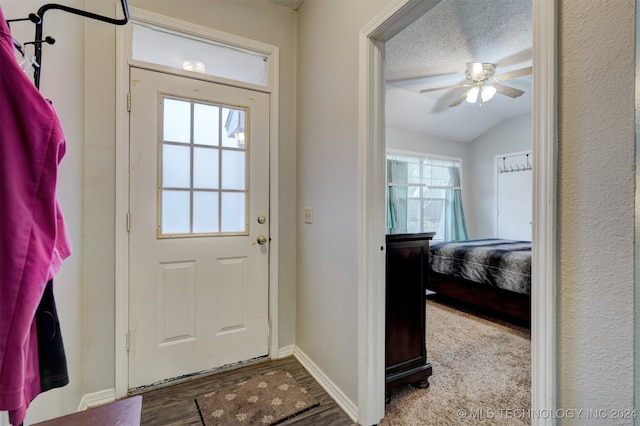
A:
198	277
514	199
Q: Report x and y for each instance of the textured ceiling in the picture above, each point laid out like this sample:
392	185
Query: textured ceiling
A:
291	4
433	51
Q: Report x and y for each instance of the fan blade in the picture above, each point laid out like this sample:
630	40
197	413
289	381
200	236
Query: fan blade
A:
458	100
513	74
443	102
512	92
453	86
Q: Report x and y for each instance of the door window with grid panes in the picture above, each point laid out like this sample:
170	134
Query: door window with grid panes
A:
203	161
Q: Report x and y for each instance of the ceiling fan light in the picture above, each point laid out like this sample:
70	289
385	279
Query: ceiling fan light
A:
476	70
472	94
487	93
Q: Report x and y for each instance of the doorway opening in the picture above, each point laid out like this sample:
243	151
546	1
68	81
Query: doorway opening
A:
372	44
202	194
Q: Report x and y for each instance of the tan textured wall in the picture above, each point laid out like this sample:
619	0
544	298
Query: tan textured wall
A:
596	205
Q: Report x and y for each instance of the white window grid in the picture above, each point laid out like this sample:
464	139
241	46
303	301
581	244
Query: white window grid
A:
427	182
192	189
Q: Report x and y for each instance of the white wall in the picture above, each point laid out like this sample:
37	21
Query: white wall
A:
511	135
99	201
595	255
407	140
328	181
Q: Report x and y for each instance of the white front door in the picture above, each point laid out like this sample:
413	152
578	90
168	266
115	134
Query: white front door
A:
199	229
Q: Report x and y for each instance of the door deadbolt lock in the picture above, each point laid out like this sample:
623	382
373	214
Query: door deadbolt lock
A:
262	220
262	240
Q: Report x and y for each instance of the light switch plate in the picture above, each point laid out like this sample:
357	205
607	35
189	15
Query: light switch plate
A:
308	215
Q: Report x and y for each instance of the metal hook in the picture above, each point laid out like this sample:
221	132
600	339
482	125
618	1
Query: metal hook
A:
32	17
47	39
39	24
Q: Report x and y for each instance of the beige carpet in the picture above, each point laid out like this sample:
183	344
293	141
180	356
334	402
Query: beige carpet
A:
481	374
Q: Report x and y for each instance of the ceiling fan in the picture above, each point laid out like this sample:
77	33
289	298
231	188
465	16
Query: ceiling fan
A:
483	84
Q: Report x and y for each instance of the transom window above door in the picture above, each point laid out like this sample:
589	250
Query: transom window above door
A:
160	46
202	164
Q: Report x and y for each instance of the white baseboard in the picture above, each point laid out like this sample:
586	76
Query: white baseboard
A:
95	399
334	392
285	352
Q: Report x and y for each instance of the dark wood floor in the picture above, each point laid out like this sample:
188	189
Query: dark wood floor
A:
175	404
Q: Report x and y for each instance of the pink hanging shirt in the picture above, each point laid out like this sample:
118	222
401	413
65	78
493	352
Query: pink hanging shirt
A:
33	237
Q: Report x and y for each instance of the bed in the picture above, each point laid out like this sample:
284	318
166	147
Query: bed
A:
493	274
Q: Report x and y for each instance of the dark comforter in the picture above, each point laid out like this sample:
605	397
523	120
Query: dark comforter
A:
501	263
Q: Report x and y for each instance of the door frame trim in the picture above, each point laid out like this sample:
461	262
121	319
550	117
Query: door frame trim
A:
398	15
123	63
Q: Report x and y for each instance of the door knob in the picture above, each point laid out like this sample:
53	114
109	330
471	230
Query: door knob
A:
262	240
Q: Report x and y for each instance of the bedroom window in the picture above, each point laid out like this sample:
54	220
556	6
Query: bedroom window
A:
424	195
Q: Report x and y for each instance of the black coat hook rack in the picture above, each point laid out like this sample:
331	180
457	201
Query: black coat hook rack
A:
38	20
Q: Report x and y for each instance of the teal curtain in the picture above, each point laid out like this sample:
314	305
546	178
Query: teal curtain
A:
397	204
455	227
